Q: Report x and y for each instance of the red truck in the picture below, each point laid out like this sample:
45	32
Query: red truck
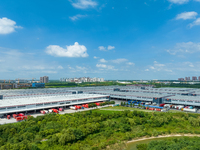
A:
85	105
20	118
98	104
8	116
161	105
61	109
55	110
78	107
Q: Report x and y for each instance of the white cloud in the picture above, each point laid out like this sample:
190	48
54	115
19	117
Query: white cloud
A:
120	60
60	67
75	50
102	48
130	63
195	23
179	1
81	68
7	26
76	17
110	47
158	65
146	69
84	4
103	66
95	57
183	47
187	15
103	60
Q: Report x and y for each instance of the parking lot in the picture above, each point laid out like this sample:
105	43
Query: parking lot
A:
66	111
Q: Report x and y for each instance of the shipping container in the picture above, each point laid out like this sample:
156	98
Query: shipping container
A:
158	109
151	108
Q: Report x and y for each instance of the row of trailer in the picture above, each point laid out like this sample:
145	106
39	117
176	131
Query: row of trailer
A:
163	107
19	117
51	111
180	107
83	106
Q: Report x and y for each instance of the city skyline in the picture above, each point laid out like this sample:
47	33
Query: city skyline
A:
115	40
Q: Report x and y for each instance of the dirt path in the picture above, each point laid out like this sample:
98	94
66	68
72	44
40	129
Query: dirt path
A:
163	136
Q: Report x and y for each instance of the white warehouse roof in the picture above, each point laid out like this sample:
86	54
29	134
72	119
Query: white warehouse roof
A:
46	99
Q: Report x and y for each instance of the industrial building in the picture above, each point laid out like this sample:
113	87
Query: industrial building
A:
26	104
25	100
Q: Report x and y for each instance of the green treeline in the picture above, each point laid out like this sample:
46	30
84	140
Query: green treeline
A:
92	130
84	84
185	143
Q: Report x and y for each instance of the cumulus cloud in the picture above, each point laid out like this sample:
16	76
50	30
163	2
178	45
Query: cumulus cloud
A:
195	23
75	50
84	4
178	1
187	15
159	67
103	60
60	67
95	57
110	47
7	26
103	66
120	60
76	17
102	48
183	47
130	63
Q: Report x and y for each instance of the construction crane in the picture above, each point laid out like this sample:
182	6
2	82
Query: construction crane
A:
26	79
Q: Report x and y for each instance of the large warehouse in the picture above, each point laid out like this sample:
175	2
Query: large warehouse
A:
28	103
25	100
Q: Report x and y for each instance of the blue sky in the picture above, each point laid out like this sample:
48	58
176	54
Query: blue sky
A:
113	39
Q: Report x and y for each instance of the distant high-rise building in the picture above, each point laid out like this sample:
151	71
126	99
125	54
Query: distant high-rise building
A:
180	79
194	78
187	78
44	79
199	78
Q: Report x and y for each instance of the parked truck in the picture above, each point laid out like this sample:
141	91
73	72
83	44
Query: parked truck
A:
8	116
73	108
189	110
61	109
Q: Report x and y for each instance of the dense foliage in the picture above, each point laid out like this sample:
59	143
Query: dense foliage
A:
92	129
84	84
185	143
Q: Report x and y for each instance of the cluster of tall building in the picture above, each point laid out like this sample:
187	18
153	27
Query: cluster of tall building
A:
194	78
44	79
82	79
